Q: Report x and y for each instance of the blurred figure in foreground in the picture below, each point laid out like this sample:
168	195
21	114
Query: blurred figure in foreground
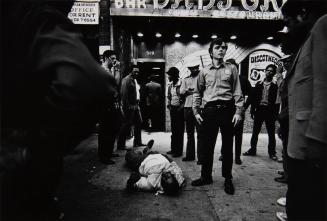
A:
52	91
306	84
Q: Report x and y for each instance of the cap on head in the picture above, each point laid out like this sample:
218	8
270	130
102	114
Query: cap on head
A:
173	71
193	66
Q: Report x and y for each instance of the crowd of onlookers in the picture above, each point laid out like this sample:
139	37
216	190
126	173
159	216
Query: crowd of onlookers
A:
53	93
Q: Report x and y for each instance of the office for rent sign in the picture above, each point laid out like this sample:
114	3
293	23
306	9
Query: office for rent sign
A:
85	13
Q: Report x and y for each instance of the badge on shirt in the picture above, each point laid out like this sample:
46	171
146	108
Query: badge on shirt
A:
228	72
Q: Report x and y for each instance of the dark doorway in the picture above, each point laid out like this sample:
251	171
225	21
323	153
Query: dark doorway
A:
156	69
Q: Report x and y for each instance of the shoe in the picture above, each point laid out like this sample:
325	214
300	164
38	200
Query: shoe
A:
139	145
170	152
281	172
229	187
281	179
249	153
281	201
150	144
220	158
177	155
115	155
187	159
107	161
281	216
201	182
238	161
273	157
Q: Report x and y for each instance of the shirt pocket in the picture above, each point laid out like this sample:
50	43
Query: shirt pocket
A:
209	80
226	75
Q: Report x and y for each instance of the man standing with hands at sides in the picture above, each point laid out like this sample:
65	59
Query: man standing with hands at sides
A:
175	105
187	89
218	86
264	109
130	98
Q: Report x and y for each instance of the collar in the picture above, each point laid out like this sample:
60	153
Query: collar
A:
212	66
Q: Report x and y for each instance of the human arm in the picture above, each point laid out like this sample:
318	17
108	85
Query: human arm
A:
316	129
169	97
197	97
237	97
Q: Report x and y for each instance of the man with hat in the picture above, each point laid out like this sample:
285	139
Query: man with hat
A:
187	89
306	84
175	105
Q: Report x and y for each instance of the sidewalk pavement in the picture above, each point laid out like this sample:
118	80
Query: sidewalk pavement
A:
93	191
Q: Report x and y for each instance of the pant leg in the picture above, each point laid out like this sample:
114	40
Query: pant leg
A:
137	121
257	123
271	128
190	128
109	128
177	129
173	127
210	128
125	128
306	193
238	134
226	126
180	131
199	144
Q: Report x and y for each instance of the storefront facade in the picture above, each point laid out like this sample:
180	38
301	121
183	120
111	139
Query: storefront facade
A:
162	34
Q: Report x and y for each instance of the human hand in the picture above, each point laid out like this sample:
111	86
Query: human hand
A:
236	119
198	119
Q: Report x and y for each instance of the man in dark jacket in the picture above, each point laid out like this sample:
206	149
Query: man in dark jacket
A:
264	109
130	98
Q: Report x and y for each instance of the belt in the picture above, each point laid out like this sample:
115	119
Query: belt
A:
219	104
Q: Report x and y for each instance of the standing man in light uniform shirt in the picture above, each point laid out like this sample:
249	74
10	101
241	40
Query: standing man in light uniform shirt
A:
187	90
175	106
218	86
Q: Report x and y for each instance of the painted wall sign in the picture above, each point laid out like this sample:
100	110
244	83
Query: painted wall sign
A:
85	13
258	61
199	8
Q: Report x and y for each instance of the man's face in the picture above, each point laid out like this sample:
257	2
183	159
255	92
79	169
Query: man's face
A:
194	70
167	177
172	77
219	51
269	73
113	58
135	72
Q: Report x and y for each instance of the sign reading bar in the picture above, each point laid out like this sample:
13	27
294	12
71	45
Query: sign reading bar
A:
86	13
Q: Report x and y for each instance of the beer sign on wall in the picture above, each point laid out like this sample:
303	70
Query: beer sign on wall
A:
231	9
258	61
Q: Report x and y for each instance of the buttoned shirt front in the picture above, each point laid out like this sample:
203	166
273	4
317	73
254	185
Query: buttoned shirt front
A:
218	83
265	94
187	89
175	97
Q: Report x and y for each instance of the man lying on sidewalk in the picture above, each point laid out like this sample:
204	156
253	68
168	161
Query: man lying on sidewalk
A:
153	171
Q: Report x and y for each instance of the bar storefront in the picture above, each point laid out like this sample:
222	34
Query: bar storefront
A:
162	34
